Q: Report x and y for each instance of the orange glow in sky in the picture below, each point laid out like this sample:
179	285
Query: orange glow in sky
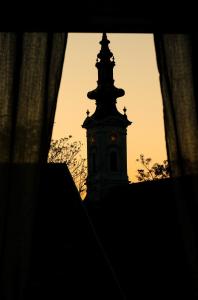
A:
135	71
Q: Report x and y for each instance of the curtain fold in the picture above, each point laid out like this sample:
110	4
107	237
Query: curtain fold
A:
30	73
31	67
177	63
178	68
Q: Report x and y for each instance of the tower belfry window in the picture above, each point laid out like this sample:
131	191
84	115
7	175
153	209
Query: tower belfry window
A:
113	161
93	158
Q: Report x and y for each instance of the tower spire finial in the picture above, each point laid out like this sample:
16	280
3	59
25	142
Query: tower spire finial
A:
105	54
105	64
104	36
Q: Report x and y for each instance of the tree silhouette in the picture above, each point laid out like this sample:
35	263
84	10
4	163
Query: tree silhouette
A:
65	150
154	172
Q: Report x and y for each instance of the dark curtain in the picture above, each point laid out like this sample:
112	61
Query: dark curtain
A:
30	72
178	68
177	63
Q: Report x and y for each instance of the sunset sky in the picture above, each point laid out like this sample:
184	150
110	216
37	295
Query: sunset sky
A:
135	71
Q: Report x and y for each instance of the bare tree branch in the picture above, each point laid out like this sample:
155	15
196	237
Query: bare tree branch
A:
65	150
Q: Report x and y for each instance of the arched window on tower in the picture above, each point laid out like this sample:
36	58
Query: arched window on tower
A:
113	161
93	162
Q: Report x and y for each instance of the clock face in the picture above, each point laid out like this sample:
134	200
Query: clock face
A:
92	139
114	137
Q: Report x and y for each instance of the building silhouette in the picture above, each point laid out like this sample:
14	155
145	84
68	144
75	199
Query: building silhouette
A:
106	131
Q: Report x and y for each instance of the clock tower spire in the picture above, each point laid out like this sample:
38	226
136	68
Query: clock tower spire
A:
106	130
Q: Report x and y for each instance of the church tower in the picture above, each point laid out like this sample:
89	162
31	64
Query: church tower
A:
106	130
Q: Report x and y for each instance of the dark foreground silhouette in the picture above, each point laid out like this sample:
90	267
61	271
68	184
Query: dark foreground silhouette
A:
139	241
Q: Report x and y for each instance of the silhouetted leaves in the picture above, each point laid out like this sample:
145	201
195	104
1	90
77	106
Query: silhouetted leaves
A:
154	172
